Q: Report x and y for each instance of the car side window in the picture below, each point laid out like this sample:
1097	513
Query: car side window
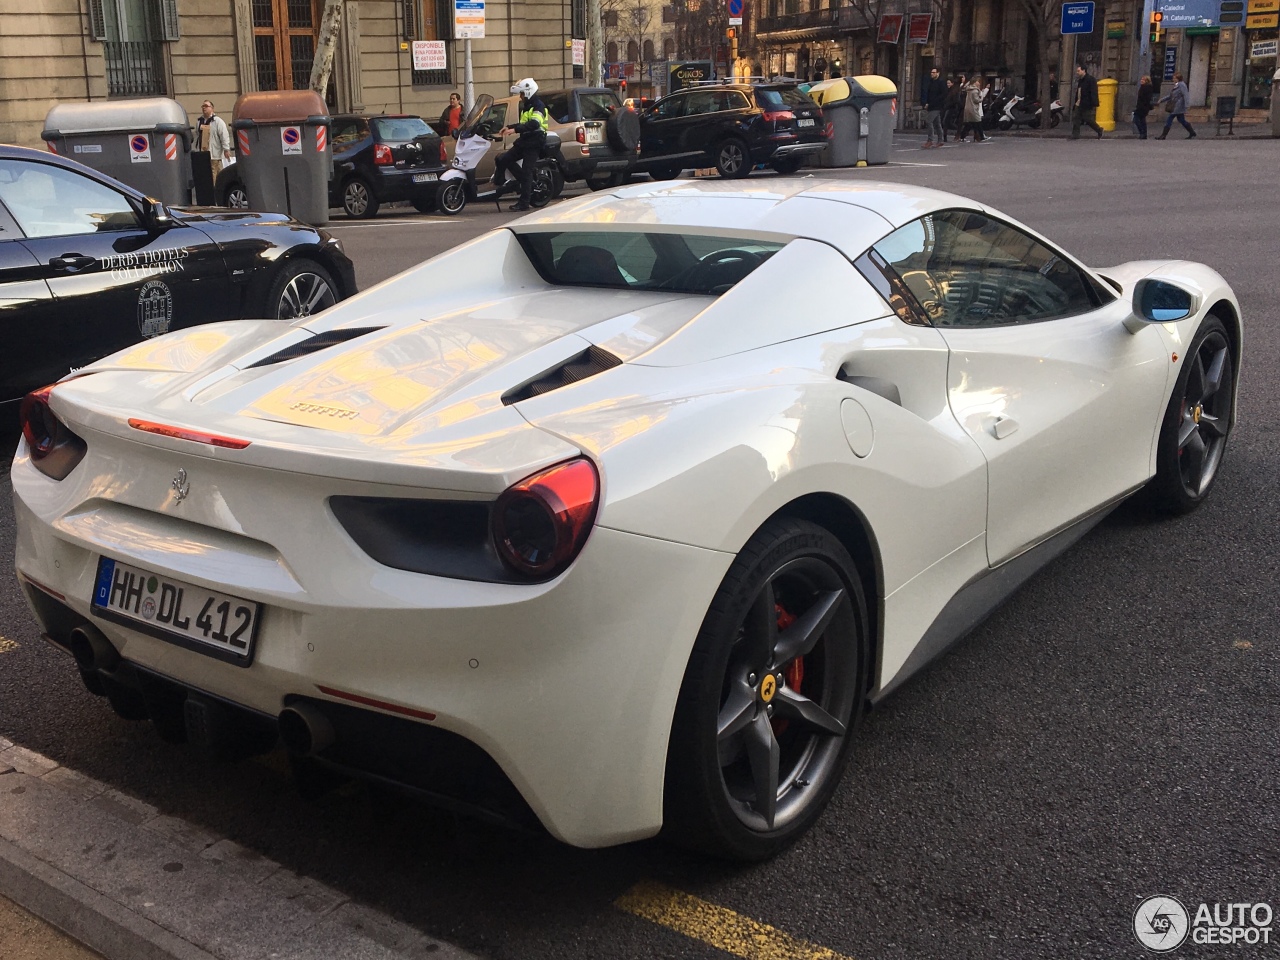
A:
49	201
345	134
558	107
702	101
732	100
671	107
966	269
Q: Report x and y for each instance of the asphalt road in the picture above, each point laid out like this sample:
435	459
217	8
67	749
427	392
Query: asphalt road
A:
1111	733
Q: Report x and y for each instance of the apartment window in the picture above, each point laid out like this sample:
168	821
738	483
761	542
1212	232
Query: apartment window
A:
428	20
284	40
132	34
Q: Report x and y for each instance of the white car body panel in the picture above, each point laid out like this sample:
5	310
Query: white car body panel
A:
723	411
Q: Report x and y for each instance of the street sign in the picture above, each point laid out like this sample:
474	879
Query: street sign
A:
1077	17
735	13
468	19
1170	61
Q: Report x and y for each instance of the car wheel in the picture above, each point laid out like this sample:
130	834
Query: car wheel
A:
775	684
786	165
452	197
604	181
665	173
358	200
1193	435
732	159
236	197
301	288
424	204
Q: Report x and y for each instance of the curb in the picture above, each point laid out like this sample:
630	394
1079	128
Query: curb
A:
134	884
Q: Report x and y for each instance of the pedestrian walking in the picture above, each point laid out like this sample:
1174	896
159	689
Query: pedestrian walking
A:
1146	100
955	106
973	113
1086	111
1176	101
213	136
933	97
451	119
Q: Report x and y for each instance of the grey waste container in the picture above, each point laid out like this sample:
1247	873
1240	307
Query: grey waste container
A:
283	152
1275	105
144	143
878	97
835	97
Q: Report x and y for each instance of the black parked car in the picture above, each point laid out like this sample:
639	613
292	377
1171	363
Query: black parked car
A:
89	266
732	127
377	159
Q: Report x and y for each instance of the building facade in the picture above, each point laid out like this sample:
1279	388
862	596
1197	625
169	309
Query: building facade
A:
191	50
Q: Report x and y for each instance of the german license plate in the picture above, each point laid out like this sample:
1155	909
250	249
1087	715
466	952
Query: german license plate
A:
204	620
595	134
805	123
425	177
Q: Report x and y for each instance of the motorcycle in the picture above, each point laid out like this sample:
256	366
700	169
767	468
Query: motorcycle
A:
1018	111
458	183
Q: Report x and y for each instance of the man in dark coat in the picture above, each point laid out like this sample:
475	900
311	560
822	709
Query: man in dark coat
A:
1086	111
933	97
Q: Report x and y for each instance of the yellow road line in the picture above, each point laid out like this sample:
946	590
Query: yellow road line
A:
7	645
717	926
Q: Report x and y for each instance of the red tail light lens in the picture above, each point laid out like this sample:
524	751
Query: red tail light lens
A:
53	448
779	115
382	155
444	157
541	523
582	135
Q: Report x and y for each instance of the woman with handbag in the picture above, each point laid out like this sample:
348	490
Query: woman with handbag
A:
1175	105
972	113
1146	100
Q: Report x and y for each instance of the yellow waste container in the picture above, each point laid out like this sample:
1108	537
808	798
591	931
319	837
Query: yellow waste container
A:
1107	103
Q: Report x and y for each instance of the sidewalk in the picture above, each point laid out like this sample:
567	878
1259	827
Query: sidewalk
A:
133	884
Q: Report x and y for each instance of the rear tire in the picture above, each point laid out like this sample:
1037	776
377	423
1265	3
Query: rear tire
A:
424	204
543	187
775	686
358	200
452	197
787	165
302	288
605	181
733	160
665	173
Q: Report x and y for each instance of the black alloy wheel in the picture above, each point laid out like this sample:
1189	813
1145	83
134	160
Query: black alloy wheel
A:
358	200
1193	435
544	187
301	289
775	684
733	160
237	197
452	197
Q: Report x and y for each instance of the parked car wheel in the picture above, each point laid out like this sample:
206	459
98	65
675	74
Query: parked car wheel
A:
787	165
301	288
358	200
236	197
424	204
606	180
665	173
1193	436
775	684
452	197
732	159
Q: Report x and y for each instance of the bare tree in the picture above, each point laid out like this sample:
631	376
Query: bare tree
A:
326	44
1045	20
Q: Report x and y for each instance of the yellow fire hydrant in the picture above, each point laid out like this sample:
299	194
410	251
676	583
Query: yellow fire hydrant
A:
1107	103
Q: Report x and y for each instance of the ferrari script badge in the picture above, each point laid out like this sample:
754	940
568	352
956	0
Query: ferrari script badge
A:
180	486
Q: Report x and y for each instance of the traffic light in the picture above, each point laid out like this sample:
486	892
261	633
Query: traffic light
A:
1156	20
731	33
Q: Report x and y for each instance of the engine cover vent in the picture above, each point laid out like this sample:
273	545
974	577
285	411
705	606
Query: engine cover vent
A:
588	363
319	342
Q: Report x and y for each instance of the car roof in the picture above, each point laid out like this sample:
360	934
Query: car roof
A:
849	215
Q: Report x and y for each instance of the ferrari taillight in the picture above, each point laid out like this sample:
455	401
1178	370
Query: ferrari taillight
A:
53	448
541	523
382	156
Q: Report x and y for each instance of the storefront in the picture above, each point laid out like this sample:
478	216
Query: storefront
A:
1261	37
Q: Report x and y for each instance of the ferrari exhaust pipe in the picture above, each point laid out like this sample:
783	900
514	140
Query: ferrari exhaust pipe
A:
91	649
305	730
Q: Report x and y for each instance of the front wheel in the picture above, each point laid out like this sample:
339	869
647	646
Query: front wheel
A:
1004	124
1055	120
301	288
1193	434
452	197
775	684
236	197
733	160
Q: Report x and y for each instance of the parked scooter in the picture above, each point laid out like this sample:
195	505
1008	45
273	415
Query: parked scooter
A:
458	183
1018	112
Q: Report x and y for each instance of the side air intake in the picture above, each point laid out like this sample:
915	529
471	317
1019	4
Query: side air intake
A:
319	342
588	363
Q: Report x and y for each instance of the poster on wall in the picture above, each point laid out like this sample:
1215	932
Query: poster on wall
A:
429	55
1170	61
890	27
918	26
1263	50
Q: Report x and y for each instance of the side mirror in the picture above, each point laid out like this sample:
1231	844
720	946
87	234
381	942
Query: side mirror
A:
155	216
1158	301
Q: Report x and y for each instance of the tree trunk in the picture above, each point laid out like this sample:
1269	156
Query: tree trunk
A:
1046	67
326	45
595	44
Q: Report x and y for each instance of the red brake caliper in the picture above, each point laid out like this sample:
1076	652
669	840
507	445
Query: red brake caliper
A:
793	672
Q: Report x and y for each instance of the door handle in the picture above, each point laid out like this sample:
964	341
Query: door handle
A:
1004	426
72	262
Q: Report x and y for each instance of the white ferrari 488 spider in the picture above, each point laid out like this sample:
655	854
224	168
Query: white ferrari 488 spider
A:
616	518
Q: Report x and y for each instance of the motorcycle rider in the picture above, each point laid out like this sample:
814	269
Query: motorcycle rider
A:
532	130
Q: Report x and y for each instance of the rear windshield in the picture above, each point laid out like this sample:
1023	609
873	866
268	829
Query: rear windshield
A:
645	261
783	96
599	105
400	129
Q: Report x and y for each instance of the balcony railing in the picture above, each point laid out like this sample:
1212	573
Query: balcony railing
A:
134	67
810	20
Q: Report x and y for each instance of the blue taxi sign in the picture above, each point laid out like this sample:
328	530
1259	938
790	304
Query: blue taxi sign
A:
1077	17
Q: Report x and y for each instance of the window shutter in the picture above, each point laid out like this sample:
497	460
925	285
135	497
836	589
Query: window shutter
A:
410	19
97	21
169	29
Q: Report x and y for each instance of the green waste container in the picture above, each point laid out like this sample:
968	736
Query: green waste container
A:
283	154
144	143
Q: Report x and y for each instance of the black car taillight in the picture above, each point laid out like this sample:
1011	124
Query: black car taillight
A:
541	523
382	155
779	115
53	448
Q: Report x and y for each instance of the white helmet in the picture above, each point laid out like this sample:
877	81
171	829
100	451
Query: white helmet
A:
526	88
